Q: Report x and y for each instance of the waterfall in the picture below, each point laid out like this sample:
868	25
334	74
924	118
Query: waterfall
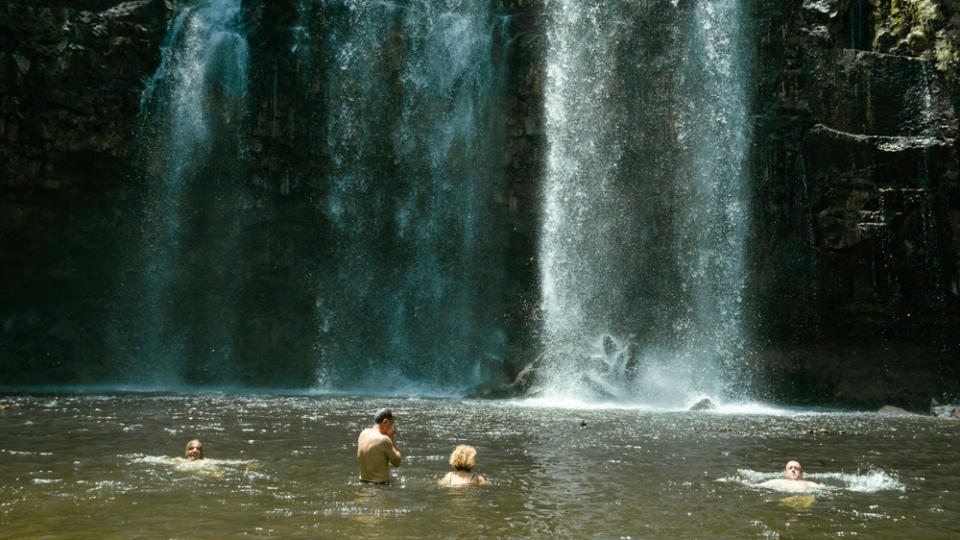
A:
856	24
412	129
922	200
644	211
928	119
174	309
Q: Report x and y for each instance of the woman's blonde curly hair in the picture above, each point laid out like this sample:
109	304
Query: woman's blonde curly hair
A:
463	458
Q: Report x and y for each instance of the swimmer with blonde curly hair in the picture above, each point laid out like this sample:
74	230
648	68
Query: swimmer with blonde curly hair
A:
463	459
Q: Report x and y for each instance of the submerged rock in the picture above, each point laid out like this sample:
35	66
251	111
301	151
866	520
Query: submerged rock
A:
534	391
524	380
703	405
893	411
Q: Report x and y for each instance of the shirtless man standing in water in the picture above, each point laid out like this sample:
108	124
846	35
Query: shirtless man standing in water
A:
375	448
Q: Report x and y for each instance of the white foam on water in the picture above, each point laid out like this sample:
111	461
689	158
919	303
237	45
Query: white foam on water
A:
750	409
872	481
571	402
750	477
720	408
152	460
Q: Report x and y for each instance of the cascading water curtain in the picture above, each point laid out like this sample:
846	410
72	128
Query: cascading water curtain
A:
174	308
642	244
412	130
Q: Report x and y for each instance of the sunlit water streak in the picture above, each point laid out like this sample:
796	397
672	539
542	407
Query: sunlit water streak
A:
104	465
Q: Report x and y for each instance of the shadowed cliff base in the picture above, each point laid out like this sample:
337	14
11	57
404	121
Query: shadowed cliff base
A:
863	376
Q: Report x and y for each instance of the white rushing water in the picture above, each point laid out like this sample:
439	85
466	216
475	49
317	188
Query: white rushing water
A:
412	124
644	201
188	232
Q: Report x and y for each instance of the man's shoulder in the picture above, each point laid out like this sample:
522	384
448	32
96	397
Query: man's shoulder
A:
373	436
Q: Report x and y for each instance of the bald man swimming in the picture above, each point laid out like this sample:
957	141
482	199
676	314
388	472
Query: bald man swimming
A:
793	481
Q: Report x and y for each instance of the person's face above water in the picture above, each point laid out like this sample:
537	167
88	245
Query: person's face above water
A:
194	450
389	427
794	472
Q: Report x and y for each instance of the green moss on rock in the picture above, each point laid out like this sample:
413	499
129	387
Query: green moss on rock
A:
908	27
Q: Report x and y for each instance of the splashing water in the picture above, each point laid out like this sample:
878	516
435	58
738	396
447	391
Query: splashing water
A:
412	135
641	255
872	481
175	298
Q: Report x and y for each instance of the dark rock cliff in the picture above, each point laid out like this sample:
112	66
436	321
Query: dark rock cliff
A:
854	248
70	79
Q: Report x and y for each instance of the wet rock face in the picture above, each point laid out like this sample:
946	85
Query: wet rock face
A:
70	80
908	28
856	124
70	77
859	194
870	93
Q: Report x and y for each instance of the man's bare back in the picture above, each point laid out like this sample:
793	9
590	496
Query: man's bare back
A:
376	451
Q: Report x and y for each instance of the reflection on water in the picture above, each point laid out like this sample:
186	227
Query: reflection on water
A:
95	466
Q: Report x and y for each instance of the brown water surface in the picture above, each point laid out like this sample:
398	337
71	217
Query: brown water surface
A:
104	466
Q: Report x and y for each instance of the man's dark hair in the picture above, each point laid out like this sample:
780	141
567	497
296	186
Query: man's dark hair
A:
383	414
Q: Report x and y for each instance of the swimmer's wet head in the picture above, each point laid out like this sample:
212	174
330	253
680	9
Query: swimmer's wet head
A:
793	471
463	458
386	422
194	450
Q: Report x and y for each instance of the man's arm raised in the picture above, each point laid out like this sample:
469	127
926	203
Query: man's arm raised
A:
391	450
